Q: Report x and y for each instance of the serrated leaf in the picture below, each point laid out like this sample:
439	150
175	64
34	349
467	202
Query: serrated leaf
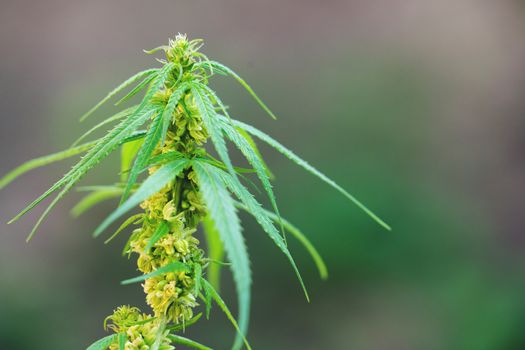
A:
153	135
177	339
211	122
45	160
140	86
150	186
104	343
98	152
227	71
222	305
255	160
175	266
160	231
150	142
301	237
254	208
253	145
119	88
215	251
302	163
122	114
213	97
224	215
93	199
135	219
167	115
164	157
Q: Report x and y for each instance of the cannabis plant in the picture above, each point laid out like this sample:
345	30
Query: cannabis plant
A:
164	137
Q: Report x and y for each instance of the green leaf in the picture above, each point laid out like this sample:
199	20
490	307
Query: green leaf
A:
93	199
147	147
122	114
252	143
222	69
197	270
294	231
302	163
164	157
177	339
214	98
45	160
104	343
135	90
208	288
207	302
153	135
254	208
122	341
98	152
160	231
175	266
135	219
185	324
215	251
167	115
255	160
93	188
150	186
119	88
136	135
211	122
224	215
127	154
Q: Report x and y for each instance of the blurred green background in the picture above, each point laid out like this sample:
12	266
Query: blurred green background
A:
414	106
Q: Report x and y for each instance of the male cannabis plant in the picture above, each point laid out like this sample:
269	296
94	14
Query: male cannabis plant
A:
185	186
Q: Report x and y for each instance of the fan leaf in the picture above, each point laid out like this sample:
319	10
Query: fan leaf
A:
119	88
222	69
224	215
301	237
177	339
162	229
208	289
150	142
122	114
167	115
45	160
254	208
104	343
93	199
153	184
100	151
215	251
175	266
302	163
255	160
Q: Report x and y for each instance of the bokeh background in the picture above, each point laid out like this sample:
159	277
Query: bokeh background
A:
415	106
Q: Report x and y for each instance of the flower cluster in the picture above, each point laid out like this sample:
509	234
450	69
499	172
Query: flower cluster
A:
141	330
